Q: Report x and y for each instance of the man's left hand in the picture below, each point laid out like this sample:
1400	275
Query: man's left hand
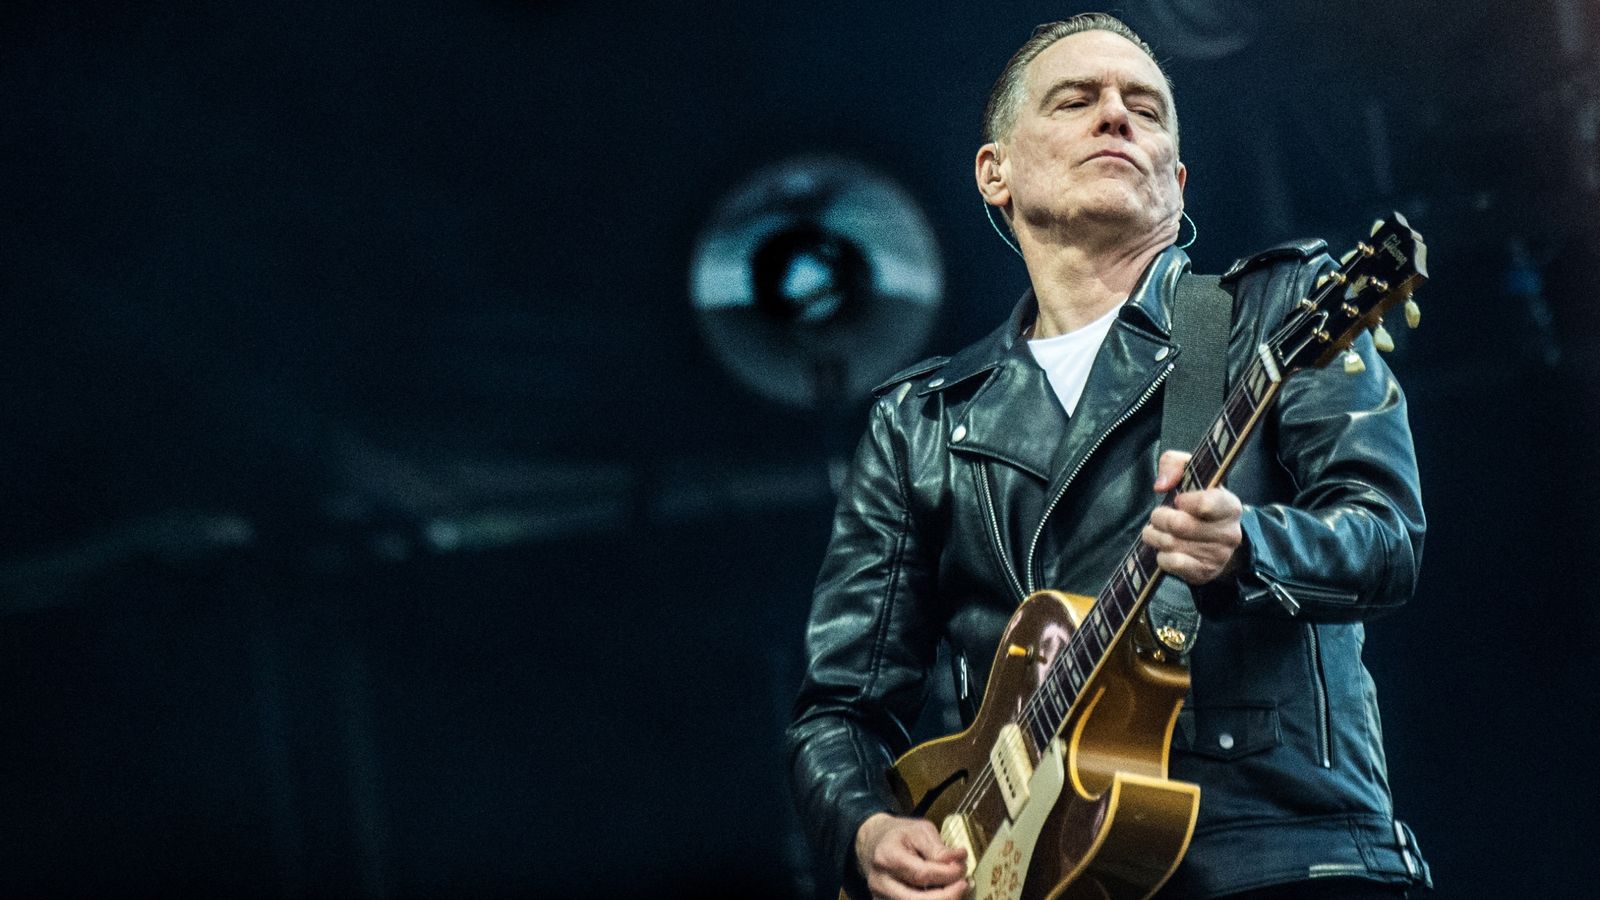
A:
1197	540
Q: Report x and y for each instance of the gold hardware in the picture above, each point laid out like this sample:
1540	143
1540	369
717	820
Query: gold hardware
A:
1353	364
1336	277
1172	637
1365	248
1307	305
1413	314
1381	285
1323	336
1018	650
1350	310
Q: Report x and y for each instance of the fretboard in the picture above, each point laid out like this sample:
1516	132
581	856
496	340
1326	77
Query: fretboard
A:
1128	591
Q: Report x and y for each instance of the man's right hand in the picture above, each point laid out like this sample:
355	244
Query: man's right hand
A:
904	858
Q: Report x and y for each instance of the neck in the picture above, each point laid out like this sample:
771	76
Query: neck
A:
1077	283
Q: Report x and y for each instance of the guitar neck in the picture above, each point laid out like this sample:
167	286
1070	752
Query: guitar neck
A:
1128	591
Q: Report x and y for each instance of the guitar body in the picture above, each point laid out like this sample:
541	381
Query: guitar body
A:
1118	827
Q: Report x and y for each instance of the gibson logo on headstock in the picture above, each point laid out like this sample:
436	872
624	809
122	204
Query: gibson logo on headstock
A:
1392	245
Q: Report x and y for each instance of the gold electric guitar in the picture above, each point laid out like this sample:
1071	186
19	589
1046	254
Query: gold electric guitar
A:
1059	788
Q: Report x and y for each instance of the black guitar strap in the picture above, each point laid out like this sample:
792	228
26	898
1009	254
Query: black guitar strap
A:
1202	315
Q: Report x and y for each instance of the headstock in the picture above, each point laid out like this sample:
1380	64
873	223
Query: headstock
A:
1379	274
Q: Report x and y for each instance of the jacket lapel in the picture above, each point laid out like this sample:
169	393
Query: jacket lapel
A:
1129	363
1133	356
1012	416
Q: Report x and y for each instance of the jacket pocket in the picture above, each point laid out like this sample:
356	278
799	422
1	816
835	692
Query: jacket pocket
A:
1228	732
1294	595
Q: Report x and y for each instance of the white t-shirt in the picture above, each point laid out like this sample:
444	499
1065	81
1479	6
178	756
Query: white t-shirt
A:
1066	358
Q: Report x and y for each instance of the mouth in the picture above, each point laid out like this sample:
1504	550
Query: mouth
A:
1113	154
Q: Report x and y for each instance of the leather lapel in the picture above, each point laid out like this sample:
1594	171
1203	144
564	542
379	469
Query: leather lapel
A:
1135	353
1127	366
1014	418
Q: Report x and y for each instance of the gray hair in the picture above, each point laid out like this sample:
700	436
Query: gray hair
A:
1010	89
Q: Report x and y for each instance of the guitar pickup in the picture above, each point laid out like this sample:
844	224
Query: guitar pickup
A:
1013	768
956	831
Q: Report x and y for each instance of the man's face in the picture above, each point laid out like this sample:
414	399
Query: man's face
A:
1093	139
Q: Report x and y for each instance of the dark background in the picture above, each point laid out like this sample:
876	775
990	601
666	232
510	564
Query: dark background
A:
376	519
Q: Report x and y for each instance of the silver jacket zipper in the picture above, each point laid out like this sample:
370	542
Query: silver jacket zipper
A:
994	523
1143	399
1320	688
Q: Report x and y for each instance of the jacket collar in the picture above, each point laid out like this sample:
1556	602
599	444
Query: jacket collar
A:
1148	306
1013	414
1151	299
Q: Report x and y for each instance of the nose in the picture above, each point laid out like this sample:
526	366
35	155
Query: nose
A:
1113	116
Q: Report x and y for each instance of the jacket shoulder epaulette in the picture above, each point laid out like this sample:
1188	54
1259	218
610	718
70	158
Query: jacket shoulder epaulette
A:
1303	249
910	372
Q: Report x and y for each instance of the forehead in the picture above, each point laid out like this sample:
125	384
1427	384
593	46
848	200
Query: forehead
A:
1094	55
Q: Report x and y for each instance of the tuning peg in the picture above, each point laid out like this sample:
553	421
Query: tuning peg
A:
1382	339
1345	259
1353	364
1321	280
1377	225
1413	314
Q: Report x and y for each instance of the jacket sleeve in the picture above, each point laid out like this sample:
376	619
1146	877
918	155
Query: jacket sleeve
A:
1348	545
870	641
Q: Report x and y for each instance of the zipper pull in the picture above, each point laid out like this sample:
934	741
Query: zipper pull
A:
1283	595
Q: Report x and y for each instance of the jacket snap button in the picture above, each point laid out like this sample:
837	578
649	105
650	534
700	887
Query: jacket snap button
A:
1225	741
959	433
1162	354
936	382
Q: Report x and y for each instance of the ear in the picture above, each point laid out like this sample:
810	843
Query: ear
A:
990	171
1183	177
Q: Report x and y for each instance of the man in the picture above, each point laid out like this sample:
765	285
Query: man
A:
1030	460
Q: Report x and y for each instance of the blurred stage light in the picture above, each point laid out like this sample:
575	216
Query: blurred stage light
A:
815	279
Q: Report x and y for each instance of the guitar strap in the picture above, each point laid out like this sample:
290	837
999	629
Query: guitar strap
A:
1202	315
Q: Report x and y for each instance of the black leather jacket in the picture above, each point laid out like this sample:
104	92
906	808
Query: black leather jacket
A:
972	488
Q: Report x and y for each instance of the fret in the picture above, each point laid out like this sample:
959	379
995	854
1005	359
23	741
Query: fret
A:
1257	383
1233	426
1084	658
1058	702
1042	732
1102	631
1147	560
1134	574
1221	438
1203	465
1074	677
1241	406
